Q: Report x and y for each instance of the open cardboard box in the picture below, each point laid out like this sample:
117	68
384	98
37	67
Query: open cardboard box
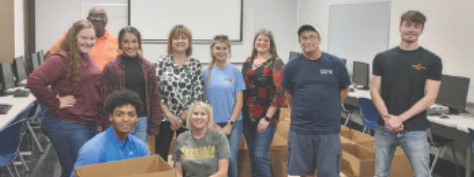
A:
356	136
400	163
148	166
357	160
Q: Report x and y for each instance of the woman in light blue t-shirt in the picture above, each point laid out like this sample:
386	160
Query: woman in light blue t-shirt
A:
223	89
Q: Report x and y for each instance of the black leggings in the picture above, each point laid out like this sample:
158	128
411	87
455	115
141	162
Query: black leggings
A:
163	140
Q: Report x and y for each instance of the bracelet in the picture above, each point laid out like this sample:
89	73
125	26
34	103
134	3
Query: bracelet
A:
267	118
169	115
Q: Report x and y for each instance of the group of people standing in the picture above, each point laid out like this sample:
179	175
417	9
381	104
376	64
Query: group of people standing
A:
79	80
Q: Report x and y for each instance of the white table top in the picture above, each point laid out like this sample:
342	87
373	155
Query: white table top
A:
460	122
360	94
19	104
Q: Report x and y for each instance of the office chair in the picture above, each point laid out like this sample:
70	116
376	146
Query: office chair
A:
35	119
440	142
10	139
369	113
471	132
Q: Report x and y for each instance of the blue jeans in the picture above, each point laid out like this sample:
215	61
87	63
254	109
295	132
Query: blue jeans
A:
414	143
234	143
139	130
67	138
259	146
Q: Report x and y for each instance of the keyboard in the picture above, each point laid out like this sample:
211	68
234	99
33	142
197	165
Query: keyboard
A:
21	93
4	108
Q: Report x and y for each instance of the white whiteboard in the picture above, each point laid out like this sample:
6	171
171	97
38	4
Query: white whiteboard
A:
205	18
357	32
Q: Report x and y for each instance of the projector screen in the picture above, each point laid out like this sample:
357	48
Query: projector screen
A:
155	18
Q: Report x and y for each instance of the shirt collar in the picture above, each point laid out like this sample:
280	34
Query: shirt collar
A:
105	36
114	140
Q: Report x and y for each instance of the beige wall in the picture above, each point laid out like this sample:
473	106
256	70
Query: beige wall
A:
7	46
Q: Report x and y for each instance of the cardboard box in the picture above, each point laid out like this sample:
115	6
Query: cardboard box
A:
357	160
282	129
356	136
148	166
278	143
278	159
244	168
344	128
400	163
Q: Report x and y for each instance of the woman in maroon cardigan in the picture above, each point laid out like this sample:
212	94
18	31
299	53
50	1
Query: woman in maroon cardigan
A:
132	72
73	100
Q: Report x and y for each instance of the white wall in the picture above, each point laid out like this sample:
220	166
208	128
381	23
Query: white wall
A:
19	28
53	18
448	30
277	17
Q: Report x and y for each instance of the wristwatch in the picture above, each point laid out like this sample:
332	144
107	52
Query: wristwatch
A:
231	123
267	118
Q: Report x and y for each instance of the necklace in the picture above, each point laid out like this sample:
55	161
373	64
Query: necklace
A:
254	65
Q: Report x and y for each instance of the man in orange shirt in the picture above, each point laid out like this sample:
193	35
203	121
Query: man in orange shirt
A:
106	44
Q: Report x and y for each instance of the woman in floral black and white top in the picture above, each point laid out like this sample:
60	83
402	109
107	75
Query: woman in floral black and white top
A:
181	85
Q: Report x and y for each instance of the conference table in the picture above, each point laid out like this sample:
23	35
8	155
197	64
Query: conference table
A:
460	122
19	104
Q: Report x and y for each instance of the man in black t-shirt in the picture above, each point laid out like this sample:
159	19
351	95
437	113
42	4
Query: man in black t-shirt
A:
404	84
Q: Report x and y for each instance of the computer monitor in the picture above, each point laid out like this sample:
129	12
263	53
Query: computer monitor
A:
360	74
34	61
20	71
7	77
41	56
453	93
293	55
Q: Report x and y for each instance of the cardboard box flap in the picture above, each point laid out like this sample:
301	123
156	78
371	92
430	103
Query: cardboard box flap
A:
130	167
356	136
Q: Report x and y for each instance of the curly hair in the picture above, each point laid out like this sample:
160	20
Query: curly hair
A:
69	44
120	98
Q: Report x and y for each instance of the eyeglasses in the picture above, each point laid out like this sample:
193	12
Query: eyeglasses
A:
96	16
309	38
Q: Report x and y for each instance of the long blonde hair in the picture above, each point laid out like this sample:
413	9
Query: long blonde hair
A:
69	44
218	38
206	108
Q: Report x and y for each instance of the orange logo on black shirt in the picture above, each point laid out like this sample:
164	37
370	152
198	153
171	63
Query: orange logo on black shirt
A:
418	67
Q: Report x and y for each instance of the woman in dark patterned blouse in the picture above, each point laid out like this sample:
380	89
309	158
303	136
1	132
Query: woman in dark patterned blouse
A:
180	79
263	98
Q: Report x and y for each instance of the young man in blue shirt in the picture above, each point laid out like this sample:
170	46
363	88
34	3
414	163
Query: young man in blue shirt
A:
115	143
315	83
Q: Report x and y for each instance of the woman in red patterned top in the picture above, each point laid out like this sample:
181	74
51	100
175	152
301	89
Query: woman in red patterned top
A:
263	98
